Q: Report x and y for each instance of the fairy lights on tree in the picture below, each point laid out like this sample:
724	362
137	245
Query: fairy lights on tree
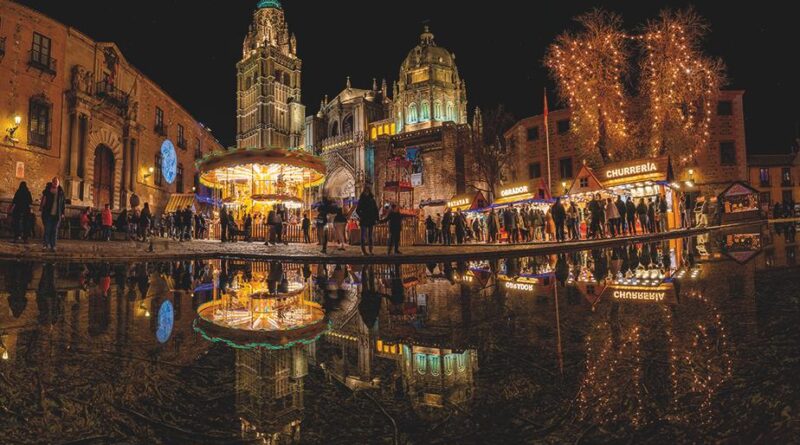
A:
635	95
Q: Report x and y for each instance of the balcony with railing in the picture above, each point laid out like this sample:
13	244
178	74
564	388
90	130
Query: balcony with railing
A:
2	47
161	129
42	61
343	140
112	95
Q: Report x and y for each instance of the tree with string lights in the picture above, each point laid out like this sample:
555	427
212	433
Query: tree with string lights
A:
635	95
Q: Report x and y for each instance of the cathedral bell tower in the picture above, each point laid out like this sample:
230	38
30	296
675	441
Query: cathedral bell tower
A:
269	111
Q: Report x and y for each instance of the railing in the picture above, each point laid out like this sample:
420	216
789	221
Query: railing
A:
39	139
42	61
340	141
113	95
160	129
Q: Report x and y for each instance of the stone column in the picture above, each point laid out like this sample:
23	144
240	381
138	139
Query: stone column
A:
123	188
73	183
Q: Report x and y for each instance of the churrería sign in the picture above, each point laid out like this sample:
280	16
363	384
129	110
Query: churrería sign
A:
662	294
646	167
638	295
656	169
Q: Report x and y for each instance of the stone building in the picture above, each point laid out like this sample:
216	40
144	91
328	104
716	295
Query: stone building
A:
340	133
775	177
722	162
424	121
75	108
269	111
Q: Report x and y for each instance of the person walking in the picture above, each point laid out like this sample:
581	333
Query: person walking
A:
367	211
339	223
395	220
321	221
145	222
447	221
20	209
52	208
461	227
559	217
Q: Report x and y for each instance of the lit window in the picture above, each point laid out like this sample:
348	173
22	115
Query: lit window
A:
412	113
425	114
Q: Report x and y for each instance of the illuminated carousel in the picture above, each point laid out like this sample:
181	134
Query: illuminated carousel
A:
258	179
262	313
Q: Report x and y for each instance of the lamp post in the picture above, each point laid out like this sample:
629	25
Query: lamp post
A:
564	188
12	130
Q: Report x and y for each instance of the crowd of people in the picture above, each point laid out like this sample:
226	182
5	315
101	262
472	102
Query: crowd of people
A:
597	218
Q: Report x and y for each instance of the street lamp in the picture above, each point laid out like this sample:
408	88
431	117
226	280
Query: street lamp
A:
564	187
13	129
150	172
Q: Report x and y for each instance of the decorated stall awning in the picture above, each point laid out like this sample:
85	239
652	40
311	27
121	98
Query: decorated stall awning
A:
467	201
523	191
180	201
655	170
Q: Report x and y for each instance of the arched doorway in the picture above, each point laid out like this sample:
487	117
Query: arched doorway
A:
103	177
340	184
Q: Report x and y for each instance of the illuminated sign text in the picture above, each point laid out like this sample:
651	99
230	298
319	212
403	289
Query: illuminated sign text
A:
647	167
514	191
519	286
638	295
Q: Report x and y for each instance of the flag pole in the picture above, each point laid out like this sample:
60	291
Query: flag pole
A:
547	143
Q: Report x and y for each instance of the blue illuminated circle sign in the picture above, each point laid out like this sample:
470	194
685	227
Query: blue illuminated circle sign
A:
165	321
169	161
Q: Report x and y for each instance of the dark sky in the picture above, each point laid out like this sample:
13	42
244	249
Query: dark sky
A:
190	48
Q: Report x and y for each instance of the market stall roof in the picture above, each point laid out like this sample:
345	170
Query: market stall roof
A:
179	201
241	163
593	184
738	188
467	201
636	171
535	190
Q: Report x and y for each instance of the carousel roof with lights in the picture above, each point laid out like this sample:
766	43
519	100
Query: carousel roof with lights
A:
295	166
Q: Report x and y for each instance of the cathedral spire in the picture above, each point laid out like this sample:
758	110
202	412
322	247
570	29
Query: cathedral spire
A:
349	86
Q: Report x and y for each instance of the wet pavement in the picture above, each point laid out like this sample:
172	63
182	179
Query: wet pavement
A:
678	340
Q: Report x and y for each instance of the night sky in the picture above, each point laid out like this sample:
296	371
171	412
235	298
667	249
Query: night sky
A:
190	49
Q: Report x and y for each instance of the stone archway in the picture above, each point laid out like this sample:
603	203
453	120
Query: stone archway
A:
111	141
340	184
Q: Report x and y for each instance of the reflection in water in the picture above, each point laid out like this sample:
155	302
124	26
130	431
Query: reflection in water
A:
677	340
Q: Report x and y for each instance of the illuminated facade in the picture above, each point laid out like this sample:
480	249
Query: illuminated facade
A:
79	110
269	108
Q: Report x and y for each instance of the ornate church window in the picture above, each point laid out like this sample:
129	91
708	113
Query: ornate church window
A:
421	361
425	114
435	365
437	110
451	112
412	113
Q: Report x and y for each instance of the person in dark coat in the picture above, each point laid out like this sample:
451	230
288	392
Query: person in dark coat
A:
622	210
630	214
559	216
395	220
651	216
508	224
145	220
52	208
641	212
430	230
223	222
447	221
367	211
492	226
306	226
248	227
20	209
325	207
461	227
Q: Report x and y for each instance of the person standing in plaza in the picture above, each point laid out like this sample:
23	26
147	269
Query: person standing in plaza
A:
447	221
395	220
145	221
322	221
367	211
438	222
630	215
641	214
662	211
573	221
461	227
306	226
20	208
651	216
559	217
108	221
493	226
223	222
430	230
248	227
52	208
621	211
339	224
612	217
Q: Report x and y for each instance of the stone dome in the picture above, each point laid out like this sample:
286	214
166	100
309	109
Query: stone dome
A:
428	53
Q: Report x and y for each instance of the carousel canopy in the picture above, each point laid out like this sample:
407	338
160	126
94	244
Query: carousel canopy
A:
245	164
